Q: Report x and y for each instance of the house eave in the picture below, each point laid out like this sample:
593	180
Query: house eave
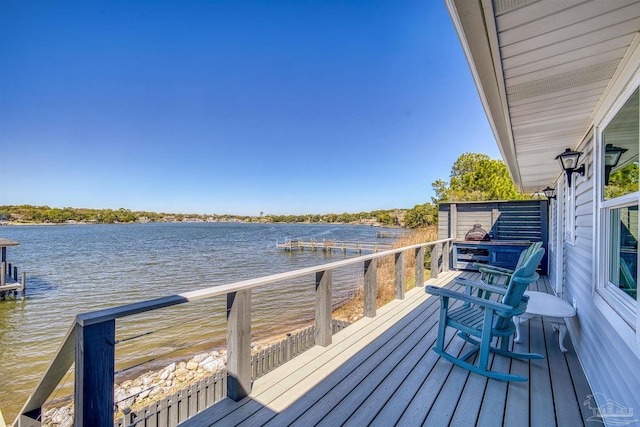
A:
479	41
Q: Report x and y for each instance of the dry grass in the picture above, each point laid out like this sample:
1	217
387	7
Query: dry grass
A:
353	309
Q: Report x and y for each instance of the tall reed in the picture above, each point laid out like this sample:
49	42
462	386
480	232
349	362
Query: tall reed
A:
353	309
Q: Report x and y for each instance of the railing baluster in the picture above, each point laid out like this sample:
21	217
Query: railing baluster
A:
95	361
238	344
419	254
399	275
370	287
324	284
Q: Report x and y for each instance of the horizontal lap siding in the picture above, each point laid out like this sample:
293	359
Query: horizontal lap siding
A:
443	221
610	364
470	214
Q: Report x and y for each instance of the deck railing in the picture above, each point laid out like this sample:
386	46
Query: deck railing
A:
90	341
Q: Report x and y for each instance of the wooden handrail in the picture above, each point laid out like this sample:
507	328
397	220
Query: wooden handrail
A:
81	337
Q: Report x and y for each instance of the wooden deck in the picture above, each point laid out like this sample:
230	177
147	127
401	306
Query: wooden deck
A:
380	371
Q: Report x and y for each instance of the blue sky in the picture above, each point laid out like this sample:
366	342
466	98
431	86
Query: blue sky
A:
235	107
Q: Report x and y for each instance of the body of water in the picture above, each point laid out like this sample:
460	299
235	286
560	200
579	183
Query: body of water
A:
78	268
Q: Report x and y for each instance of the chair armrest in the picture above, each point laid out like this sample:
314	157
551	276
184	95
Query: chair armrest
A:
448	293
481	285
495	270
527	280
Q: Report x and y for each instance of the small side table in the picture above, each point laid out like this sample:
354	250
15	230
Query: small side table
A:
551	308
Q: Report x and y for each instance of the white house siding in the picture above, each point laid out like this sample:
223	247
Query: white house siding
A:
611	365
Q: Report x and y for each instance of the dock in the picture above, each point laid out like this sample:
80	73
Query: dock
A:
9	284
332	245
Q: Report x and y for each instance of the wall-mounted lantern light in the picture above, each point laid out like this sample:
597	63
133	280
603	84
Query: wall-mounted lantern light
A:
550	193
569	162
611	158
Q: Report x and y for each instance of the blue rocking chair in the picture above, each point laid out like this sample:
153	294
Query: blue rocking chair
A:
486	319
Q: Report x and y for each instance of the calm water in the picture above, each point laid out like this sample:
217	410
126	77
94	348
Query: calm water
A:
78	268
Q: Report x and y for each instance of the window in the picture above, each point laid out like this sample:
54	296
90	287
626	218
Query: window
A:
623	246
619	207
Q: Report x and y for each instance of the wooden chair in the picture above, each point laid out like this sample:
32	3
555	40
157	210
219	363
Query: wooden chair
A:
494	275
486	319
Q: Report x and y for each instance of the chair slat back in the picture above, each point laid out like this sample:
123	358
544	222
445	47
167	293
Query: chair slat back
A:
524	255
518	285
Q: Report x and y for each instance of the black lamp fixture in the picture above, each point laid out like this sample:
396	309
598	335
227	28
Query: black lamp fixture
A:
569	162
550	193
611	158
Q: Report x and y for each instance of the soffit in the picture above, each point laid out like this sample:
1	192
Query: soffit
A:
552	64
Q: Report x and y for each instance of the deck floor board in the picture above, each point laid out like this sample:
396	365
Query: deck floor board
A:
381	371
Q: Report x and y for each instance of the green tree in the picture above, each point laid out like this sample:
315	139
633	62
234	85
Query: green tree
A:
421	216
621	182
476	177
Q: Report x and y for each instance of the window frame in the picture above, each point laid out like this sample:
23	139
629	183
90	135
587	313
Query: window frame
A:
619	308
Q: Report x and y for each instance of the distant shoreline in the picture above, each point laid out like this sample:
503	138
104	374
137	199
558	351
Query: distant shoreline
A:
29	224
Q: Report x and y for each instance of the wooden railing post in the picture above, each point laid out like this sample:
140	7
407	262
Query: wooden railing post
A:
239	344
434	261
94	374
370	287
446	256
399	275
3	274
419	267
324	284
24	284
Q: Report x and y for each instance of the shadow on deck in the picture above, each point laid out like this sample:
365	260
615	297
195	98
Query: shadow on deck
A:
380	371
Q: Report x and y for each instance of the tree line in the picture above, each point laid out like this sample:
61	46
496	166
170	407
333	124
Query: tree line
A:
473	177
46	214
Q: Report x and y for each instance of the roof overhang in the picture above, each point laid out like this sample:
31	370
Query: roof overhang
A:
542	67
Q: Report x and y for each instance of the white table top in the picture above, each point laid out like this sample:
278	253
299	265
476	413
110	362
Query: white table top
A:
543	304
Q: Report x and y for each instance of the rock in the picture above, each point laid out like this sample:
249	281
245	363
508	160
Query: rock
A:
171	376
171	367
155	392
200	357
192	365
144	394
134	391
181	374
122	399
61	416
147	381
164	375
208	359
212	365
182	365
